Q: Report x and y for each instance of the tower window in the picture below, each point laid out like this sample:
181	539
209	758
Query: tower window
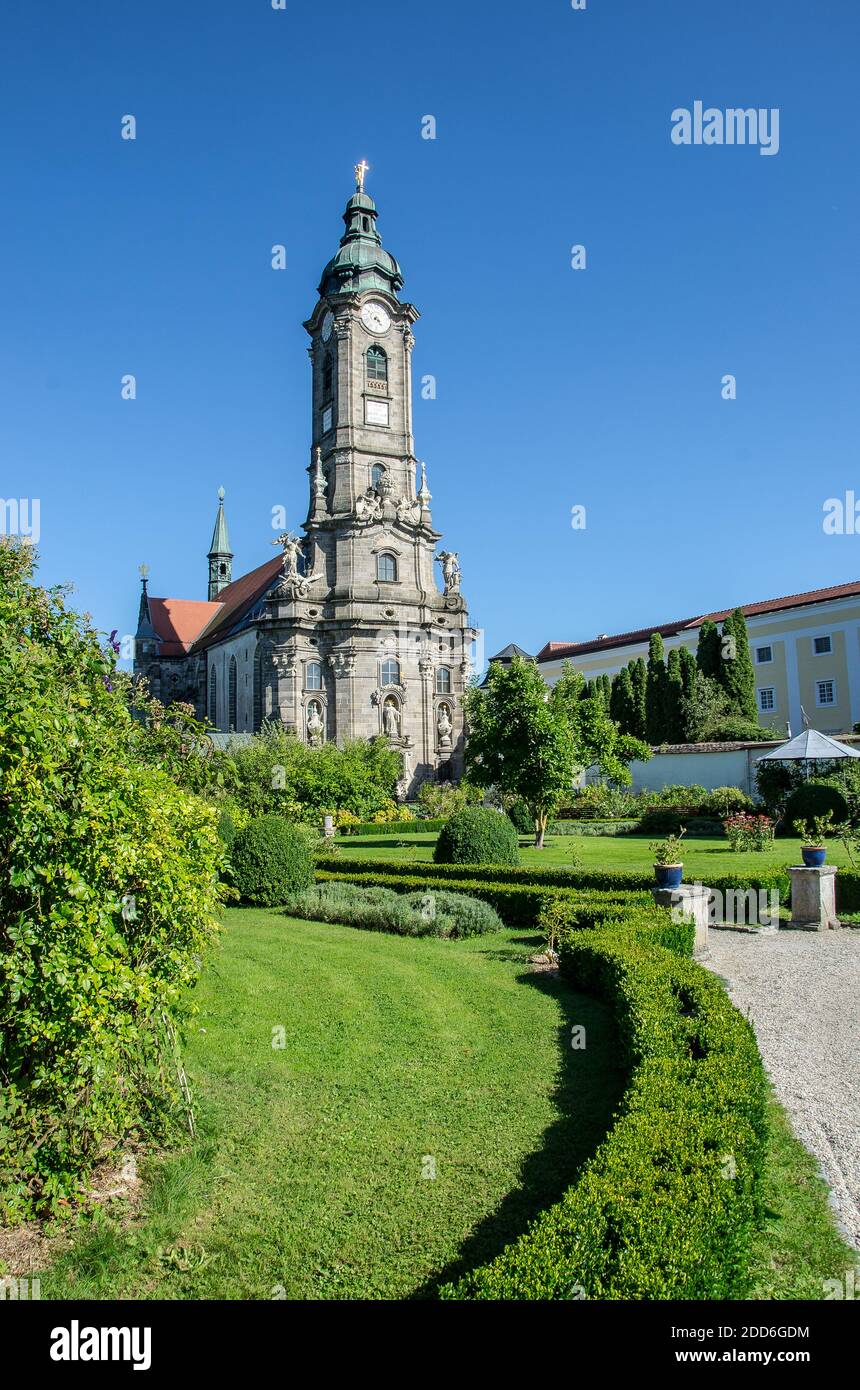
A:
327	377
313	676
377	473
231	693
443	680
386	566
390	672
377	364
366	223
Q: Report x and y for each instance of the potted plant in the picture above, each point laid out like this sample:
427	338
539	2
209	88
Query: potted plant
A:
668	866
813	833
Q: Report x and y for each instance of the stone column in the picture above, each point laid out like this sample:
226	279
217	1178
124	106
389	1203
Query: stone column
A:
688	902
813	898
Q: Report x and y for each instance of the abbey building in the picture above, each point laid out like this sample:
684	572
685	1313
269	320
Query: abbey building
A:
344	632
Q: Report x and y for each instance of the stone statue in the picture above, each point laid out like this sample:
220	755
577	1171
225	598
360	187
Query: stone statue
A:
391	719
315	725
444	727
408	512
293	584
449	560
368	507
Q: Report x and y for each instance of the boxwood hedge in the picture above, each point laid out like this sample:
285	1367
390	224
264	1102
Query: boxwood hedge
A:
668	1205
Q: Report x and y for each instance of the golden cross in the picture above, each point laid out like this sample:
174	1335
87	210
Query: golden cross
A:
143	571
360	171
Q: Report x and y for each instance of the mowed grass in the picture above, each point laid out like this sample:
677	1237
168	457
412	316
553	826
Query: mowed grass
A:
598	852
311	1174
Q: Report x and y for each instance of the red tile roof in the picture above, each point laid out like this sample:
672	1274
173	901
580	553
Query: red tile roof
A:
555	651
178	621
238	599
185	624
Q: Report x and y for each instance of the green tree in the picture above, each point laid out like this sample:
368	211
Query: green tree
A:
605	690
519	740
656	699
108	895
738	675
597	741
708	655
277	773
674	698
639	681
622	703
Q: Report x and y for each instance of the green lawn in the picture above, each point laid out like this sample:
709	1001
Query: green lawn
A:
305	1180
308	1170
598	852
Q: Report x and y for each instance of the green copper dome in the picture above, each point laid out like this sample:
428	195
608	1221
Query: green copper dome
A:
361	263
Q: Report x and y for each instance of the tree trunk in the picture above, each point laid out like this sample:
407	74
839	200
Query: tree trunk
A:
540	830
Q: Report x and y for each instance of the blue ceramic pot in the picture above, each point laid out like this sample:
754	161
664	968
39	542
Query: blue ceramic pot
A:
668	875
814	858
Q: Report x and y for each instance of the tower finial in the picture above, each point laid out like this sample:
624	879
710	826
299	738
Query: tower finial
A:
360	171
143	571
220	494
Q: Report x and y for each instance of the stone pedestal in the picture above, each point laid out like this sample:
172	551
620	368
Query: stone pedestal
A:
328	826
813	898
688	902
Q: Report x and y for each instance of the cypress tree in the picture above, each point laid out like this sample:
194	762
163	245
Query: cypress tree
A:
639	683
737	673
655	693
689	672
623	706
606	689
674	696
708	655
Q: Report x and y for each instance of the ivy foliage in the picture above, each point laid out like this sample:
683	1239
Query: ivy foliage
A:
108	892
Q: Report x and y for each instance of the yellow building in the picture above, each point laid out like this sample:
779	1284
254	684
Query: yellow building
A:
805	651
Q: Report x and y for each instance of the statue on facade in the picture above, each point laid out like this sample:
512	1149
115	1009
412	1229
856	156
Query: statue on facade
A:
315	725
408	512
369	506
293	583
391	719
450	562
444	727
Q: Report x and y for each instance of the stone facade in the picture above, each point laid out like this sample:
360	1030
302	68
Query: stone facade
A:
347	634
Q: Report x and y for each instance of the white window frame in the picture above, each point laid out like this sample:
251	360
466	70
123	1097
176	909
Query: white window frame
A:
821	637
766	690
826	704
764	660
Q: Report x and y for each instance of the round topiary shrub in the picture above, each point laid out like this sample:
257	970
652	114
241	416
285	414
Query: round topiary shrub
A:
477	835
814	799
271	859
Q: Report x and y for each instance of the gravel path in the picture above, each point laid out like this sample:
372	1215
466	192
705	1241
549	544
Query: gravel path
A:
801	992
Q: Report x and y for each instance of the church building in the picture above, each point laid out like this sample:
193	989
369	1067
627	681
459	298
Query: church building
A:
344	633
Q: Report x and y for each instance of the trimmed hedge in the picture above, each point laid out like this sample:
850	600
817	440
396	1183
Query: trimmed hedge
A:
396	828
271	859
668	1205
377	908
477	835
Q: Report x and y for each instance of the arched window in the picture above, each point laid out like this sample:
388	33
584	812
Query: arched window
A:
443	680
386	566
377	473
390	672
257	706
313	676
327	376
213	698
377	364
231	695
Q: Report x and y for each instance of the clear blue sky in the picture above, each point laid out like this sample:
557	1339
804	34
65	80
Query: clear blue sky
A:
555	387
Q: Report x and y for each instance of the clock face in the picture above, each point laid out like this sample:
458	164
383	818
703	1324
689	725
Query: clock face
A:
375	317
327	325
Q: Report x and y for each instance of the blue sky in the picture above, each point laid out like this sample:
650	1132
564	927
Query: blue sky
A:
556	387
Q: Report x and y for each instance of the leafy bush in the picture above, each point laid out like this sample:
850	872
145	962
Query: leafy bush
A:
477	835
813	799
521	817
440	800
723	800
774	784
748	832
277	773
271	859
654	1214
378	908
108	895
391	813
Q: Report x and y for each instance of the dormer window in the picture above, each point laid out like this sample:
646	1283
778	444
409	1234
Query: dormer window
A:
377	364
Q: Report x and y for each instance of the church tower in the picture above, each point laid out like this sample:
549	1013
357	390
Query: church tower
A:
362	641
220	555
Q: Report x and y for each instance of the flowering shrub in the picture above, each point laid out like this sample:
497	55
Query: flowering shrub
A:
749	832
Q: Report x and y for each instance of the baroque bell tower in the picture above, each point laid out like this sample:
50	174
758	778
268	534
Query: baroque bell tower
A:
365	642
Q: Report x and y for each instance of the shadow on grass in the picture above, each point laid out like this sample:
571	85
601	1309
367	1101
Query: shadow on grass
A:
589	1088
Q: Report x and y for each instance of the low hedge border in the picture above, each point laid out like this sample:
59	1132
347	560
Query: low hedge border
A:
668	1206
518	905
393	827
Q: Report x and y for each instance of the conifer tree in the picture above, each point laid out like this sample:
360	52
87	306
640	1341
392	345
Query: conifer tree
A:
737	673
639	682
674	698
708	656
623	705
655	693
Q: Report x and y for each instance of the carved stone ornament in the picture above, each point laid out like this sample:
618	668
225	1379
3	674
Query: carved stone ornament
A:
450	562
379	694
342	663
292	584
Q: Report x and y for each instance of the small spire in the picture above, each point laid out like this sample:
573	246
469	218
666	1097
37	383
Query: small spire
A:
220	555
